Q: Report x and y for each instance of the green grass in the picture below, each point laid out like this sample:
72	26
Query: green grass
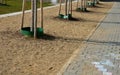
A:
16	5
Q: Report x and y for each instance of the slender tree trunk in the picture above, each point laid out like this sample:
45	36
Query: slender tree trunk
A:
32	17
71	6
1	1
41	3
85	3
23	13
35	19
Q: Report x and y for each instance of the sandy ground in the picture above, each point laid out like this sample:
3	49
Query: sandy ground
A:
21	55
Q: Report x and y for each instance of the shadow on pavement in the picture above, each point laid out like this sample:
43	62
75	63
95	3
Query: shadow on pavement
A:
110	0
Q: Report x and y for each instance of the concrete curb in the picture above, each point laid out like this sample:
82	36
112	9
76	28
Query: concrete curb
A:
83	48
27	11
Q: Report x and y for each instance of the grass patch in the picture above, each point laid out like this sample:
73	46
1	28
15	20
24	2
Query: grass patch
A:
16	5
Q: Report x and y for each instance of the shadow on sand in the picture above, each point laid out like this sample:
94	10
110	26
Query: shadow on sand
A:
4	4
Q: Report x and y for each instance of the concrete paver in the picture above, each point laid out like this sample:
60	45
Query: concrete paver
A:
101	56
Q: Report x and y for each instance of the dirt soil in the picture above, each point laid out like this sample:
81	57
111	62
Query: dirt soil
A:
21	55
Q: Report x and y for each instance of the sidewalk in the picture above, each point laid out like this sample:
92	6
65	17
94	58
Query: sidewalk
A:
101	56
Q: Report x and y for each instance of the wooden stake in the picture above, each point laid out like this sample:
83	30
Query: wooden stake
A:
77	3
32	18
84	3
23	13
66	7
60	6
41	5
81	3
71	7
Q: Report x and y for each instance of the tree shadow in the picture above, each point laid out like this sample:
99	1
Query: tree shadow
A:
95	6
61	19
102	21
87	11
16	34
4	4
103	42
47	37
76	40
65	39
109	0
74	19
95	12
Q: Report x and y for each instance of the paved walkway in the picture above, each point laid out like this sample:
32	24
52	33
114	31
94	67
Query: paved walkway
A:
101	56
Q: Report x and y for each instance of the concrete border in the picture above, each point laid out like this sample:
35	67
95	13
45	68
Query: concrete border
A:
83	48
27	11
18	13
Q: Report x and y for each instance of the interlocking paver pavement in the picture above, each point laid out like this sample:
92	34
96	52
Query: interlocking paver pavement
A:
101	56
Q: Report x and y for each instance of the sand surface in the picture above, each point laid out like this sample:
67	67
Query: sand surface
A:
21	55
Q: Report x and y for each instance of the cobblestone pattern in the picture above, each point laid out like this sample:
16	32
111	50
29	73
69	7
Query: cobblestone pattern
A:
101	56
